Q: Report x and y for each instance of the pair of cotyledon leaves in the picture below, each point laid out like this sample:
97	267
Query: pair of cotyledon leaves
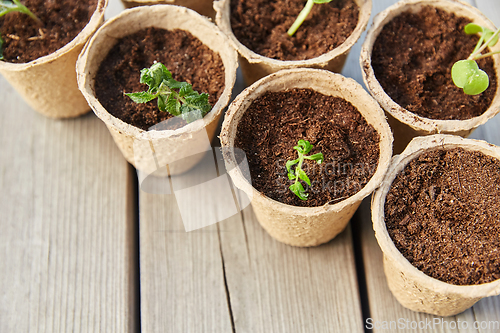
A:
177	98
303	147
466	73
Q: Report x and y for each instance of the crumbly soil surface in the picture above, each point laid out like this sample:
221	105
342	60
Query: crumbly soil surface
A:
412	59
262	25
273	124
443	214
185	56
26	40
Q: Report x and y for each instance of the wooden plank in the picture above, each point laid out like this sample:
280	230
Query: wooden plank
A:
383	307
181	274
66	241
278	288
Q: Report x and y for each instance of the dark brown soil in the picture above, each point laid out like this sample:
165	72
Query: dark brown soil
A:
185	56
443	214
63	20
275	122
412	59
261	25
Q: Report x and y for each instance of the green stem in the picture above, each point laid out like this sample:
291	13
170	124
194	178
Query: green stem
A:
479	43
486	55
474	55
299	167
300	19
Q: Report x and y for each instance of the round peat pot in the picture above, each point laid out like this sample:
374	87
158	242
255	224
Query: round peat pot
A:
48	84
255	66
411	287
204	7
305	226
150	151
405	124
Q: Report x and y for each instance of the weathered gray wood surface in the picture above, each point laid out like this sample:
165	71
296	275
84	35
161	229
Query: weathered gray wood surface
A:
67	256
66	225
68	247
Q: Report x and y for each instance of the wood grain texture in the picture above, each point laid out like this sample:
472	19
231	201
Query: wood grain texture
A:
182	273
274	287
66	252
234	277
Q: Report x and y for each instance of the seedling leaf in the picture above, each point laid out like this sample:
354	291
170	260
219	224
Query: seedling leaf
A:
472	29
141	97
299	191
303	147
478	82
177	98
462	70
303	176
316	157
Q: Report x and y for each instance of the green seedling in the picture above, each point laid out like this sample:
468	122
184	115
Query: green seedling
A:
14	6
466	73
303	15
303	147
177	98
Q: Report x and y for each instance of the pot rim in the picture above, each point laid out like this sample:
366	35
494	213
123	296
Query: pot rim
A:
86	80
419	123
345	88
222	19
418	146
80	39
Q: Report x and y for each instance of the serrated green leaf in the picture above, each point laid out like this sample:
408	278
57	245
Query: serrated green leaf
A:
162	102
477	83
173	105
185	102
173	84
299	191
141	97
186	90
472	29
155	75
462	70
302	175
199	102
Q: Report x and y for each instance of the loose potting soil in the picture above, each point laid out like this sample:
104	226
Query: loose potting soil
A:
412	59
185	56
262	25
273	124
443	214
26	40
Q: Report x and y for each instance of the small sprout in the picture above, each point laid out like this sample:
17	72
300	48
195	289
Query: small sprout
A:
303	15
303	147
466	73
14	6
177	98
